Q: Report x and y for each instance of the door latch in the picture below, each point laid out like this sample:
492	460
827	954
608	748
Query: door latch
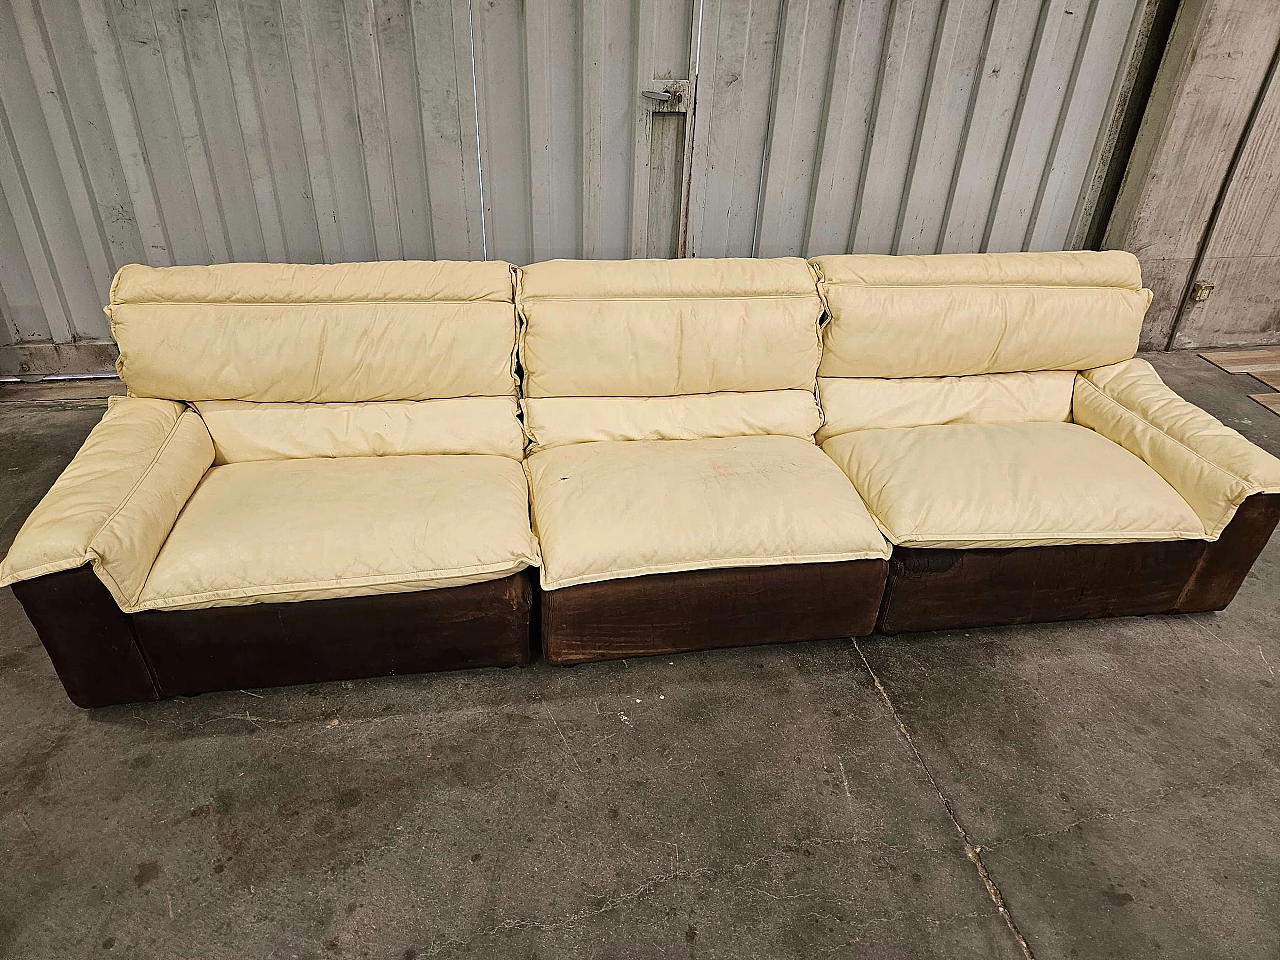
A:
1201	290
662	96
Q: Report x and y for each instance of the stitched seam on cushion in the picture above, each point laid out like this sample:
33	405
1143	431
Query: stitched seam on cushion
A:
53	566
283	303
672	396
408	577
342	403
112	584
91	552
682	565
666	396
518	319
164	445
605	298
1164	433
1057	535
1220	524
996	286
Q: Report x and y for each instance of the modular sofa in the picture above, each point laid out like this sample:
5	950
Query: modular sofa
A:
328	472
1023	464
316	475
678	496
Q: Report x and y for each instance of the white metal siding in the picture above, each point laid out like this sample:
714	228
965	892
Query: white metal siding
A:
306	130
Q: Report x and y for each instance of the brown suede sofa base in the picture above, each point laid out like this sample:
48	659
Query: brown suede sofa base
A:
104	656
917	590
936	589
708	609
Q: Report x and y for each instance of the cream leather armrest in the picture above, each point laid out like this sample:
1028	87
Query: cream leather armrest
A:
1212	466
118	499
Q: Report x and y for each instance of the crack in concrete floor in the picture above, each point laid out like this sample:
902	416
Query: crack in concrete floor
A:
972	850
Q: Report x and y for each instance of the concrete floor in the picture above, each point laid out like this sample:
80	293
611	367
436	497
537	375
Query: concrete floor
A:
1119	781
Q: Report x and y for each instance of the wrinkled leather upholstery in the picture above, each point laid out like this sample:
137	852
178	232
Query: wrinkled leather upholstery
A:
117	500
555	421
1009	485
1212	466
355	428
340	333
948	384
961	314
683	329
361	420
242	430
275	530
671	409
860	403
608	510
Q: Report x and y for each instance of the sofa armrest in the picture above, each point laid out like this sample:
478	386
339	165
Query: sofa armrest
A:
118	499
1212	466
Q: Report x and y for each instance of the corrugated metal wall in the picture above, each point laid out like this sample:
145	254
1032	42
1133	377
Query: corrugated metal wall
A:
195	131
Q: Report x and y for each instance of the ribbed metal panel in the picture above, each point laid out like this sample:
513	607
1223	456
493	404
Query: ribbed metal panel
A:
202	131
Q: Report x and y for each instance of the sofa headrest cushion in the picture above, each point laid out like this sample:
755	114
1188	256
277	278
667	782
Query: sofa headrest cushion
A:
961	314
661	328
347	332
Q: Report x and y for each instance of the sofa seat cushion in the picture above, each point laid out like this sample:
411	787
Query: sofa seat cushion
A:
616	509
1009	485
282	530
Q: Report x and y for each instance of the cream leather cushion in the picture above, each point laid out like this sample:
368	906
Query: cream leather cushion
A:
243	430
961	314
862	403
609	510
555	421
665	328
669	349
275	530
319	333
1009	485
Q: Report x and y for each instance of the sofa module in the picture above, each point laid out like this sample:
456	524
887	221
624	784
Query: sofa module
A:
1023	465
316	475
678	496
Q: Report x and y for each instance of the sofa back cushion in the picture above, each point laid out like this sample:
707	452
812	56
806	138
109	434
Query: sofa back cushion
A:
970	338
864	403
242	430
282	359
669	349
330	333
961	314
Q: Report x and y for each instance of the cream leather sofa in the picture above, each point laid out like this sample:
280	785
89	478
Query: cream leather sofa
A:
325	472
990	413
678	495
316	475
